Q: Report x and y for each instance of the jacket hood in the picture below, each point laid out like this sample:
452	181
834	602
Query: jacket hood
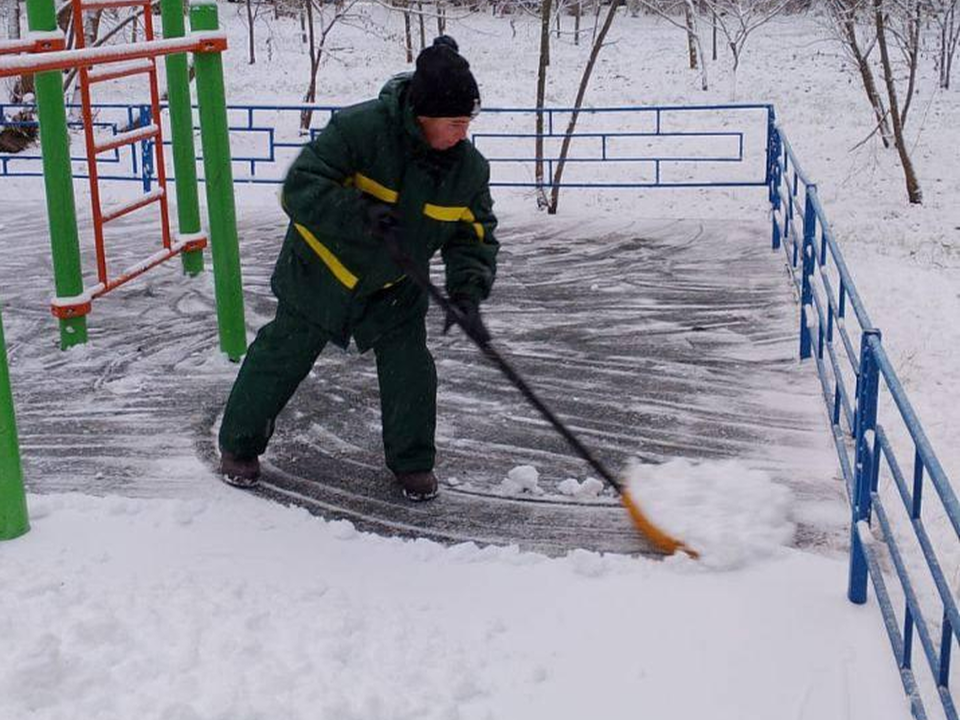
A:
393	93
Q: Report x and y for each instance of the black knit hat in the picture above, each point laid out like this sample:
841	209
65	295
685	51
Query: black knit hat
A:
443	85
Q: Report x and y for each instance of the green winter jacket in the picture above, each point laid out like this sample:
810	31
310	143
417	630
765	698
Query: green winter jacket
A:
339	276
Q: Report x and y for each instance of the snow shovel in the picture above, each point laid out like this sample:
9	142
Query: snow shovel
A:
661	540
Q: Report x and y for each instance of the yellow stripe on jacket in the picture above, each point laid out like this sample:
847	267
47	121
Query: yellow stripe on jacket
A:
445	213
338	269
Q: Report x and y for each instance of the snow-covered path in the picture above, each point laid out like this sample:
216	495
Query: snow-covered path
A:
657	340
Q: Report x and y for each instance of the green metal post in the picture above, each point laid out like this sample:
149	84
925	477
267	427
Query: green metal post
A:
13	502
221	205
181	133
57	178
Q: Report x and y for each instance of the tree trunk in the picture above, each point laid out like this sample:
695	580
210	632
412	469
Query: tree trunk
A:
441	18
714	35
691	39
581	92
12	11
866	76
251	48
545	9
577	11
913	57
910	176
735	49
310	96
407	31
951	40
423	29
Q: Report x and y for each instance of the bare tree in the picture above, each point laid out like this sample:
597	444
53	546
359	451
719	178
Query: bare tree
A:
10	9
947	19
581	92
846	16
669	11
423	30
738	19
692	38
251	44
577	12
713	15
328	22
908	31
407	29
545	10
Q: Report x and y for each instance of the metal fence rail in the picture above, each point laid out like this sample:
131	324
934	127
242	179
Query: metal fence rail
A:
861	388
631	147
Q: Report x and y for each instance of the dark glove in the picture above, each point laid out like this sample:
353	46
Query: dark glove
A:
468	312
379	217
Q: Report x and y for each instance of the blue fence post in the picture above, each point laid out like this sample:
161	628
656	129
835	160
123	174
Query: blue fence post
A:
774	179
146	149
868	383
806	294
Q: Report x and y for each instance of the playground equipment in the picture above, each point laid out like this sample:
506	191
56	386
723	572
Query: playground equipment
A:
13	504
43	54
46	59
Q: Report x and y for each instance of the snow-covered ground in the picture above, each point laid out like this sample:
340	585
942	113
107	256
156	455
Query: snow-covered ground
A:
205	603
222	606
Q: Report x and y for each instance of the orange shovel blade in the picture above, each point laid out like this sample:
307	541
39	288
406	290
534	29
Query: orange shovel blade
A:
657	537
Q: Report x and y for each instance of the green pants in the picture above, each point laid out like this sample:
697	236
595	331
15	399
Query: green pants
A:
283	353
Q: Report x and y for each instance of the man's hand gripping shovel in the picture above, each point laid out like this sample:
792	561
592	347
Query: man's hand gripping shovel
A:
662	541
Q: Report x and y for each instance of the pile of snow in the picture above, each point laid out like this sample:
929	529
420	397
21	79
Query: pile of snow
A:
730	513
589	488
523	478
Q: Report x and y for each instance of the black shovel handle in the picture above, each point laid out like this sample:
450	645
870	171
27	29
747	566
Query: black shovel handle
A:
403	259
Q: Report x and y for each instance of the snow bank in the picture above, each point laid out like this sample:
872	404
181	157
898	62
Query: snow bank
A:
228	607
732	514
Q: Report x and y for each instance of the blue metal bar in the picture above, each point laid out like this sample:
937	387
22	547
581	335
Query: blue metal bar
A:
246	119
940	581
609	160
910	597
917	484
806	292
146	148
938	475
691	133
887	612
867	390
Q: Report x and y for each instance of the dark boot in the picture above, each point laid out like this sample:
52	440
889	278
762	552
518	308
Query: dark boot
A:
418	485
239	472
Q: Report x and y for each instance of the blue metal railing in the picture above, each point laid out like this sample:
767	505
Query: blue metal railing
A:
122	117
632	147
861	387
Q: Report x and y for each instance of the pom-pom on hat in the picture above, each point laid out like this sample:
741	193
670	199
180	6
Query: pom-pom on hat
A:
443	85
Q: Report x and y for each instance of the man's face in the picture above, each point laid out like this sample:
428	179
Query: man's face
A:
444	132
